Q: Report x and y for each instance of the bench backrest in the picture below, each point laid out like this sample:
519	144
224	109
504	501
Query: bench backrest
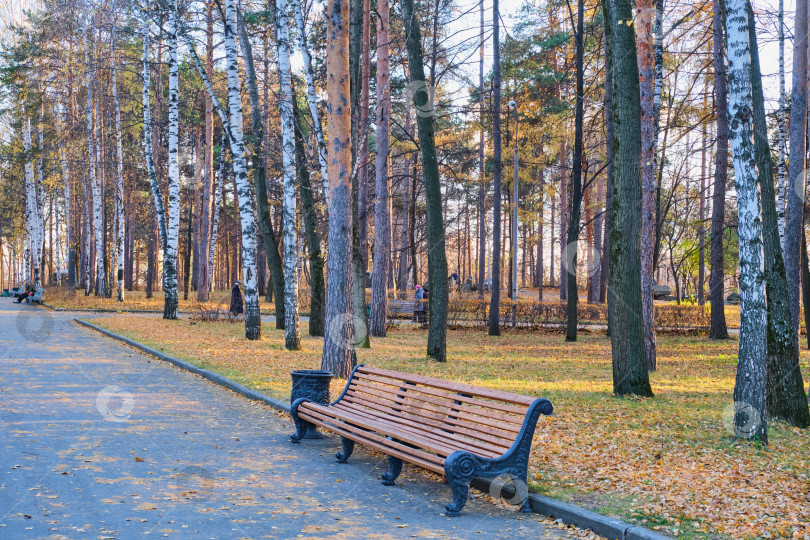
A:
481	416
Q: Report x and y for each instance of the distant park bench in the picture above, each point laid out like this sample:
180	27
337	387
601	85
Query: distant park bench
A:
401	309
16	292
37	297
457	430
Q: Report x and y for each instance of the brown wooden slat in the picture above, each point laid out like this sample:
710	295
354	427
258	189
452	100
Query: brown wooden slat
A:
384	428
478	447
449	394
428	461
476	415
449	419
453	425
499	395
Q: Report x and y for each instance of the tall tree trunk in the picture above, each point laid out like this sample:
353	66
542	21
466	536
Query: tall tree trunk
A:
786	398
701	286
119	181
170	248
98	226
274	262
406	187
32	223
718	329
482	180
338	344
253	321
749	389
312	93
796	161
540	223
648	221
495	300
362	151
382	218
360	317
781	166
437	258
630	374
292	334
215	210
206	215
317	292
576	181
604	272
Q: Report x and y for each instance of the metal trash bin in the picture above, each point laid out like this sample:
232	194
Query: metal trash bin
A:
312	384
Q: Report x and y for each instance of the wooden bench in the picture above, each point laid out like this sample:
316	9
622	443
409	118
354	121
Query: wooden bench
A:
37	297
457	430
398	309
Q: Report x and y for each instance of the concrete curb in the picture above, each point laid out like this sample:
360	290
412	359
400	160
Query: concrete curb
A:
210	375
608	527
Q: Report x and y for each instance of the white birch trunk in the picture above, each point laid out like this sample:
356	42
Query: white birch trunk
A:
749	390
157	196
215	211
119	184
781	166
312	94
173	210
40	198
244	195
98	230
66	187
292	334
31	213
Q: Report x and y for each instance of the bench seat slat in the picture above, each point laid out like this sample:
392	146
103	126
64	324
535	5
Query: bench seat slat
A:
435	433
419	457
388	429
392	406
499	395
453	395
478	415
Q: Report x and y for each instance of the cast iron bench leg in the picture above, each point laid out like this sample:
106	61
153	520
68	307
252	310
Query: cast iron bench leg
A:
394	468
459	469
348	448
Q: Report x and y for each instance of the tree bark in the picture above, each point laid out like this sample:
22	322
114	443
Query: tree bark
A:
119	181
576	181
437	258
718	329
253	322
630	374
482	180
749	389
648	219
317	292
796	161
338	345
495	299
781	166
170	249
382	218
292	333
786	398
206	215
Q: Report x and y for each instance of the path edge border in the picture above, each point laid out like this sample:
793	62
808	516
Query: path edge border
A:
606	526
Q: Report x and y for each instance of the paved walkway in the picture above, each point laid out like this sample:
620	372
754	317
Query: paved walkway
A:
99	441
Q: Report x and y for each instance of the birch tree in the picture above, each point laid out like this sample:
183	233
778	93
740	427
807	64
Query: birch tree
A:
31	214
312	94
98	225
215	206
749	389
382	218
119	183
786	398
157	195
338	344
253	323
173	215
781	166
292	334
